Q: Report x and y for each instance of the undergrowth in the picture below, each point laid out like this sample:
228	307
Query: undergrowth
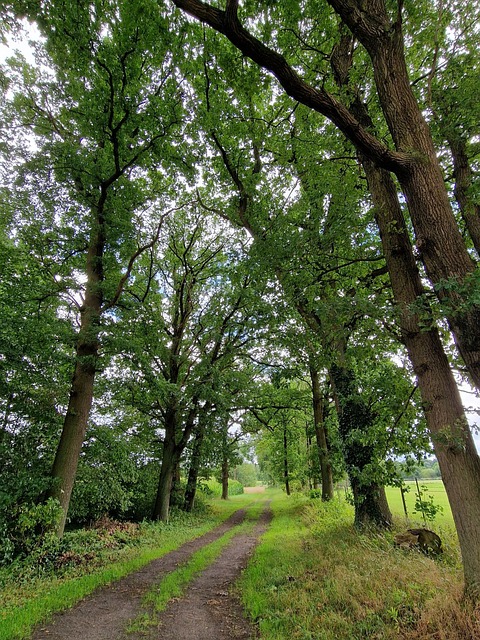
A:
316	577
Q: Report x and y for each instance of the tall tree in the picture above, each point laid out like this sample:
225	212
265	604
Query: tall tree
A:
188	332
318	402
453	444
447	261
104	115
302	244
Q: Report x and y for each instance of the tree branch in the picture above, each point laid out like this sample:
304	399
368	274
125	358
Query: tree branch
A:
227	23
131	262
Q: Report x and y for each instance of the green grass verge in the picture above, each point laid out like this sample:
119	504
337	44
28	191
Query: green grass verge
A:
28	600
314	576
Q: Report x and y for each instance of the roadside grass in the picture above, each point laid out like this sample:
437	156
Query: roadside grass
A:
314	576
176	583
33	590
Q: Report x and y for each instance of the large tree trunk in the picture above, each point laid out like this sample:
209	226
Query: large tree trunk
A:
81	392
453	443
454	446
191	487
321	436
174	444
161	507
354	417
176	497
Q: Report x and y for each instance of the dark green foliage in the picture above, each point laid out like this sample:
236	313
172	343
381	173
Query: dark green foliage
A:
27	528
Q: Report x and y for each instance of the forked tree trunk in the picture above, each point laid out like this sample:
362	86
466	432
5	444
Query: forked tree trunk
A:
321	437
81	392
174	443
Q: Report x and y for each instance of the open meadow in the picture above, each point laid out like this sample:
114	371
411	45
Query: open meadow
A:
431	490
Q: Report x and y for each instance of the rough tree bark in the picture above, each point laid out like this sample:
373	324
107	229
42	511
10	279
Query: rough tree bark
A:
446	421
81	392
191	488
176	497
170	458
354	417
174	443
321	437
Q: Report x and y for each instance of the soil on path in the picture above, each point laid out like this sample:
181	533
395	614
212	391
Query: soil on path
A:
105	614
210	610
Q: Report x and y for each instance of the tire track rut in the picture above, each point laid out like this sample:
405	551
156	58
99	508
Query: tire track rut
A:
104	614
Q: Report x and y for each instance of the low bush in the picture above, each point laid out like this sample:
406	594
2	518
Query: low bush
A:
213	489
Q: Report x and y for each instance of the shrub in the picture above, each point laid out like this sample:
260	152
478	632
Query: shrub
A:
32	527
235	488
213	488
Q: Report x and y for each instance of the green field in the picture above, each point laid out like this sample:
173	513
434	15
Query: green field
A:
434	488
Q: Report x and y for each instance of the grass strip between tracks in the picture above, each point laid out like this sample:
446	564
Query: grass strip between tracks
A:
176	583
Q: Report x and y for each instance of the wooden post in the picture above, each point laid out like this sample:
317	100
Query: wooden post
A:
402	491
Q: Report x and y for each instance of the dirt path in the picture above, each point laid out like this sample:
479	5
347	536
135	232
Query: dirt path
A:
105	614
210	610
